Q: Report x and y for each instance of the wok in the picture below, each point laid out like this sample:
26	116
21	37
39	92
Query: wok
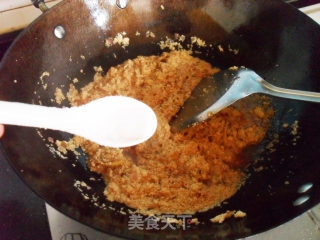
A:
277	41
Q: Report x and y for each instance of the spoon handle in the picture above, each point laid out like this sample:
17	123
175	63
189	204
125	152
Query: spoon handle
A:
289	93
29	115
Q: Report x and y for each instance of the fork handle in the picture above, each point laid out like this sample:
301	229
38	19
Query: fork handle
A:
289	93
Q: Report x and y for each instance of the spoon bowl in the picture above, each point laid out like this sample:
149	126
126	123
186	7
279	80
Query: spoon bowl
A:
113	121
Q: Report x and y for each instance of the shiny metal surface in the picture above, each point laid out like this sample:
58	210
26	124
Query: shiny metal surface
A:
229	86
59	31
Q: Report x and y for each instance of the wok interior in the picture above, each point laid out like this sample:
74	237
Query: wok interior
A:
275	40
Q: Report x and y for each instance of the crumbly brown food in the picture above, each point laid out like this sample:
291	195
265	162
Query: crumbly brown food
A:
222	217
184	172
59	95
228	214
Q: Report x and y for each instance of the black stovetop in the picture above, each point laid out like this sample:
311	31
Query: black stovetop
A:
22	212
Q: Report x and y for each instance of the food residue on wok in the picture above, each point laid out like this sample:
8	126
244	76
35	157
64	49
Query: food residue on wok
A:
59	95
228	214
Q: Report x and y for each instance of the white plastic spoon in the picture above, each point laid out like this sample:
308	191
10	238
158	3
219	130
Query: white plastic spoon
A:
114	121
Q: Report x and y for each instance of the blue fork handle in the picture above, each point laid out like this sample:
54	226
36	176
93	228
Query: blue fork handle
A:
289	93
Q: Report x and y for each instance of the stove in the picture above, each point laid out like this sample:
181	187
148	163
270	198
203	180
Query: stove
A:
25	216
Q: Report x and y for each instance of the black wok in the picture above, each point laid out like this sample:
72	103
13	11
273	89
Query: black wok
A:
277	41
